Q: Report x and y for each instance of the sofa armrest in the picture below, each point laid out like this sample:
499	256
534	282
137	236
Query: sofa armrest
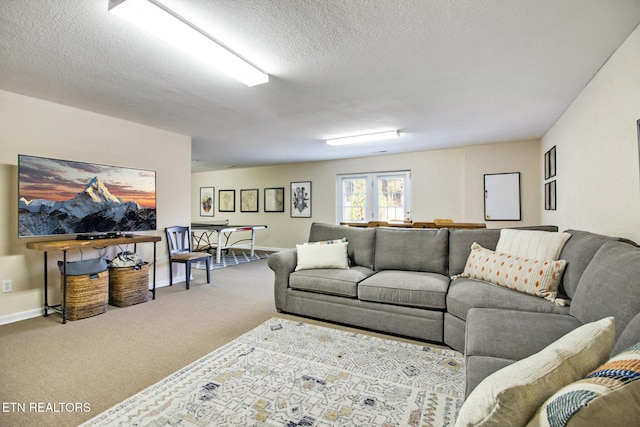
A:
282	263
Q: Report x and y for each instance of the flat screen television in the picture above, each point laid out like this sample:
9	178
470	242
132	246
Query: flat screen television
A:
67	197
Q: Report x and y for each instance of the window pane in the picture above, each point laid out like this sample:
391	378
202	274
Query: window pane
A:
354	202
391	204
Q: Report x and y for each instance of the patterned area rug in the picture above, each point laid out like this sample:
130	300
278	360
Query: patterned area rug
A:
288	373
230	258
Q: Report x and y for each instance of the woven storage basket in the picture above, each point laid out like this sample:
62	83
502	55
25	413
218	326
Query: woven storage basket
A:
86	296
128	285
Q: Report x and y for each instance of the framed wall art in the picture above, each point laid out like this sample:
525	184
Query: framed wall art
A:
550	163
301	199
206	201
226	200
550	196
274	199
249	200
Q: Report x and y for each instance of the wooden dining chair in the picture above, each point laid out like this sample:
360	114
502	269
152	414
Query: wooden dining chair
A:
180	251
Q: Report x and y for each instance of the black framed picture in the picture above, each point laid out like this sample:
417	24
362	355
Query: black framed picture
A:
249	200
274	199
550	196
301	199
550	163
226	200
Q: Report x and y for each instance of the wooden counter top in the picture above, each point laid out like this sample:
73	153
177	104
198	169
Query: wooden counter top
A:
69	244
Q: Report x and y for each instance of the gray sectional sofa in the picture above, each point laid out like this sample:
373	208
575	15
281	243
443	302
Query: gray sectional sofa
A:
399	282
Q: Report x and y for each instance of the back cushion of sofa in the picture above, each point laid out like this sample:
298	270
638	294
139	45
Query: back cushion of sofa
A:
578	252
460	241
629	337
418	249
360	241
610	286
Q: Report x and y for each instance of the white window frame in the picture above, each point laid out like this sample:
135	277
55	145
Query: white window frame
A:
372	192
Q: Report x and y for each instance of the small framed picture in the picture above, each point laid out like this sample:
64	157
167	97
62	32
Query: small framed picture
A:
550	163
274	199
550	196
206	201
249	200
226	200
301	199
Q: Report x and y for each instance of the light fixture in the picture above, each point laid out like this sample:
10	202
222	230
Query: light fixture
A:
377	136
173	29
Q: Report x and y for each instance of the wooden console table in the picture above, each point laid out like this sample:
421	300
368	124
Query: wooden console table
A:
71	244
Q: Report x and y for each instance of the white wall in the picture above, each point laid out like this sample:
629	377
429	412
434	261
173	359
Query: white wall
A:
445	184
35	127
598	181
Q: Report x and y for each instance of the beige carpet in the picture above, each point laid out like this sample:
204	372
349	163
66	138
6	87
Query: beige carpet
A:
62	375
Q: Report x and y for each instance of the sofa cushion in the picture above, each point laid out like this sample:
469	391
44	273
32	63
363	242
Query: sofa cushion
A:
540	245
511	396
531	276
608	396
629	336
361	240
578	252
412	249
487	339
610	286
410	288
514	334
313	256
330	281
460	241
465	294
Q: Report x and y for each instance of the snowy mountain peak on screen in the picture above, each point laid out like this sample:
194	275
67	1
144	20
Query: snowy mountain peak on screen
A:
94	198
99	192
94	209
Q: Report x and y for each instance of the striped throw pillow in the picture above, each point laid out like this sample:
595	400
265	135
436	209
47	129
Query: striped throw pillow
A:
608	396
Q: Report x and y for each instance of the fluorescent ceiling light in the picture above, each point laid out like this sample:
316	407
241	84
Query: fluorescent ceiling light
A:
390	134
163	23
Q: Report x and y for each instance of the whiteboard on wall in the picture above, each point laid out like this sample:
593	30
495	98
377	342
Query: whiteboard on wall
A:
502	197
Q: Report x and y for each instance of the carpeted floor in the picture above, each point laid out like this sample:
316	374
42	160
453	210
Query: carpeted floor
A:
291	373
99	361
63	375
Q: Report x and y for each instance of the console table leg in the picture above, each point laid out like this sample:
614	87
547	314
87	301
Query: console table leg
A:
64	287
46	285
153	292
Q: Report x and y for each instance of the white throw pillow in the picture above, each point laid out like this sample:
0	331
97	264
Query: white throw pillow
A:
536	244
312	256
512	395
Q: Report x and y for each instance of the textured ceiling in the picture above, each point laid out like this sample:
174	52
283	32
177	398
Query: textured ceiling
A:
447	73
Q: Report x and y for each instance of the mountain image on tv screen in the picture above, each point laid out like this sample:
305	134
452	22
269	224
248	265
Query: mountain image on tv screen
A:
67	197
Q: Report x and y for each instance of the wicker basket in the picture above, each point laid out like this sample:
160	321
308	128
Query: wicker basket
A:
86	295
128	285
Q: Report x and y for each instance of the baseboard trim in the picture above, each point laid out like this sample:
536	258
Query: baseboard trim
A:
23	315
37	312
